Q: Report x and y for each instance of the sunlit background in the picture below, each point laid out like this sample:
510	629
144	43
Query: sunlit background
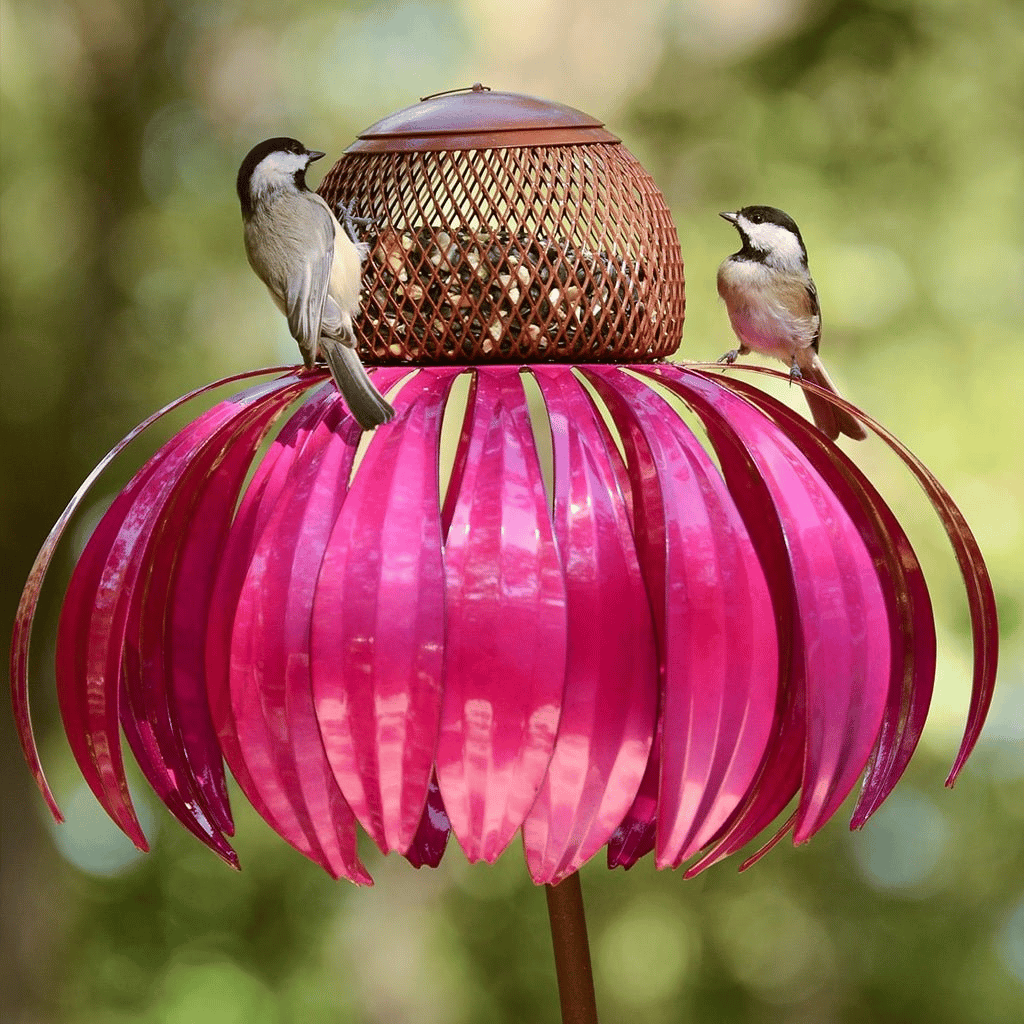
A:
890	129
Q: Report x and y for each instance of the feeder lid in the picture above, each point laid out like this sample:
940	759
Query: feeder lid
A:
477	118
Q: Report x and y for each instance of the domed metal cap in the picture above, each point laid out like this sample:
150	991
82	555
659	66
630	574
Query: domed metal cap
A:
478	118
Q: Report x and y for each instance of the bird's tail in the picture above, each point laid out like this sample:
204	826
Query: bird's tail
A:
365	402
830	419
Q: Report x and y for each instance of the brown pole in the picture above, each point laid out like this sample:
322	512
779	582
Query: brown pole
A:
572	951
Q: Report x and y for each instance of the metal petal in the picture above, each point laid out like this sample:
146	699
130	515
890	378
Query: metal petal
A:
428	845
93	620
912	628
506	636
378	621
718	640
156	723
276	747
611	687
843	614
270	678
242	732
978	584
22	634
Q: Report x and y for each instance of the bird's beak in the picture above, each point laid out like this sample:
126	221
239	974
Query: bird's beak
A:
730	217
315	154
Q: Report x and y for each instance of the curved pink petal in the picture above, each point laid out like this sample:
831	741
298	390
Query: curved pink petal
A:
254	511
22	634
197	542
176	734
378	621
912	634
779	777
843	615
980	595
720	653
258	654
506	636
270	669
611	684
153	722
93	620
145	579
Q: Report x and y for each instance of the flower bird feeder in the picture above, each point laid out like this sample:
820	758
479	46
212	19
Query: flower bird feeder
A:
680	640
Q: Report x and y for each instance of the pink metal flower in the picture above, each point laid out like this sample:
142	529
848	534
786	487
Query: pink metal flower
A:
659	652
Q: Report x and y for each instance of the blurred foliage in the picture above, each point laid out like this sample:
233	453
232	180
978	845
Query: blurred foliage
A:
889	128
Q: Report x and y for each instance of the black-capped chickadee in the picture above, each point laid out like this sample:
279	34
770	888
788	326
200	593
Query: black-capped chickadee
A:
310	266
773	306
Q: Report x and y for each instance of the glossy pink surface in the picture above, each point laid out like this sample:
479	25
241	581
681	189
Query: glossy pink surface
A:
505	609
112	573
269	679
378	630
609	705
843	617
659	653
719	643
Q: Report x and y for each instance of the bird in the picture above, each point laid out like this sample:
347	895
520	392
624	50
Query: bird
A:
773	307
311	267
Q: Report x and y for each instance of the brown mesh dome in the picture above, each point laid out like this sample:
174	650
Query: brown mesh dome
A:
508	229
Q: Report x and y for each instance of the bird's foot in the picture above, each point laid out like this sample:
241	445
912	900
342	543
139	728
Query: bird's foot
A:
351	222
794	372
730	357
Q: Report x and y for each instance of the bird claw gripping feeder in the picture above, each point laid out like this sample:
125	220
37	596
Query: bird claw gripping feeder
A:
660	649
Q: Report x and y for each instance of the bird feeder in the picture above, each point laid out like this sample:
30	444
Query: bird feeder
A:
660	650
508	229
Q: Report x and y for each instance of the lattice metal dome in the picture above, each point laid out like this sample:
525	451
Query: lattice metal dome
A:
508	229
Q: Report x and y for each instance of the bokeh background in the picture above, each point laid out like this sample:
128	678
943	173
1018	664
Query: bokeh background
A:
891	130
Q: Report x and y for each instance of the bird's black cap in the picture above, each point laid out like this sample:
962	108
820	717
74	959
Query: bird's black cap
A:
762	215
279	144
769	215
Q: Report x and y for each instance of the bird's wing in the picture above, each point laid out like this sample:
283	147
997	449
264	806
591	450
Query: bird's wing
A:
812	297
306	290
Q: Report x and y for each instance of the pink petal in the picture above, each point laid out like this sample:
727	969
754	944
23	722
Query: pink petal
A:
270	677
506	637
842	609
609	706
431	837
245	739
196	541
378	621
21	639
146	579
980	596
720	651
912	629
93	620
260	697
153	721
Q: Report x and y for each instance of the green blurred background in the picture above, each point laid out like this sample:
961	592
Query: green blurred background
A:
891	130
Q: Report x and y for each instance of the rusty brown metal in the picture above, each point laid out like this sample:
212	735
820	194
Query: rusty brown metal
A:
569	940
480	118
563	251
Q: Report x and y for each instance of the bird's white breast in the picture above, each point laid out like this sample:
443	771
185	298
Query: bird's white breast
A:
346	272
767	309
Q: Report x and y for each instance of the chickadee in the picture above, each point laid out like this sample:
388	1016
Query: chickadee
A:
311	268
773	306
